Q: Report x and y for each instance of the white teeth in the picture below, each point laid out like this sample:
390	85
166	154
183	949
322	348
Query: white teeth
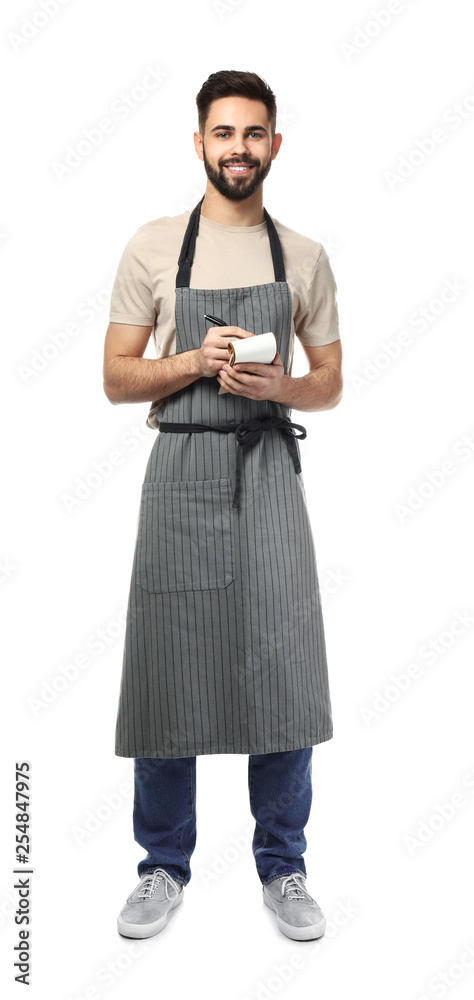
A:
237	168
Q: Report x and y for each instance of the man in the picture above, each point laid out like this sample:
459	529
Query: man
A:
224	649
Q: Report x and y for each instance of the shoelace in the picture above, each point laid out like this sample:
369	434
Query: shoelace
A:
291	885
152	880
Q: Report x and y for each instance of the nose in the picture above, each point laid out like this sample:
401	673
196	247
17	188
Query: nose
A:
239	146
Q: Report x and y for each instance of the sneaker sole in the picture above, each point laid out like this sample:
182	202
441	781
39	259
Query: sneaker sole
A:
297	933
147	930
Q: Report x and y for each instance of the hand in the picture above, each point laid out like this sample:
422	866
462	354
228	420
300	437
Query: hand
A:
253	380
213	352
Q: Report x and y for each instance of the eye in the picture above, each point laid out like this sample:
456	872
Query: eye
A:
218	134
256	133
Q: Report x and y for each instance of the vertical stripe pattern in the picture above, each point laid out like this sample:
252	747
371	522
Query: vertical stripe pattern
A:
224	648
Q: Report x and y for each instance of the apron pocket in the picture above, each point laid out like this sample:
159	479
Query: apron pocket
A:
184	537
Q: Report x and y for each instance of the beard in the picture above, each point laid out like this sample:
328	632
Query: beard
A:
237	188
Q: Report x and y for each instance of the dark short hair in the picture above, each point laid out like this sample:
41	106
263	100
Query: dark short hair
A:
231	83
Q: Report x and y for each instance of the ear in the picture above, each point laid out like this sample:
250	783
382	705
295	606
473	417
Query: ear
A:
277	140
198	145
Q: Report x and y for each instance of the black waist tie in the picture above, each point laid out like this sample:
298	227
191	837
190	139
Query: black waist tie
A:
247	433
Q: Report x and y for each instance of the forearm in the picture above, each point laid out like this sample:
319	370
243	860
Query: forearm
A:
140	380
320	389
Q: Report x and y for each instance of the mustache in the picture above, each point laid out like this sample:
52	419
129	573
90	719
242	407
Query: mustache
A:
243	161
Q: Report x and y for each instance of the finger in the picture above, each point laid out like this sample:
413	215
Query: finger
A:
234	332
227	375
225	379
252	368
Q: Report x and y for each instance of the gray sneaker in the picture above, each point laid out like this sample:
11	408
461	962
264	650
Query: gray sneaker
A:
298	914
146	910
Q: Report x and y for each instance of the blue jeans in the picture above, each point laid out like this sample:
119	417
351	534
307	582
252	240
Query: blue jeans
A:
164	812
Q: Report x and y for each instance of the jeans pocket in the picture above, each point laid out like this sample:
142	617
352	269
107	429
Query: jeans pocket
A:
184	540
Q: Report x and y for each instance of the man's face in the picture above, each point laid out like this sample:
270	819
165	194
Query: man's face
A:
237	148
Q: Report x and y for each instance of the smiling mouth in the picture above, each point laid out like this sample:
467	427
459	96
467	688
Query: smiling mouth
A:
239	168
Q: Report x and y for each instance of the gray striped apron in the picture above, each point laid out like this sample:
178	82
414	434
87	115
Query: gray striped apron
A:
224	646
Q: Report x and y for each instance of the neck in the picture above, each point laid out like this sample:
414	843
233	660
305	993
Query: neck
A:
217	208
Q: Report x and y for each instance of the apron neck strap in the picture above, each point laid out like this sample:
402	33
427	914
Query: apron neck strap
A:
186	256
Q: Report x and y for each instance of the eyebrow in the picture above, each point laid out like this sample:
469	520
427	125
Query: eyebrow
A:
231	128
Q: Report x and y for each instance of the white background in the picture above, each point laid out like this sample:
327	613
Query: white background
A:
380	849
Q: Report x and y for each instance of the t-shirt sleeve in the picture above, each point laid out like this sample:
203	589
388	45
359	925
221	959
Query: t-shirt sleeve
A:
132	294
318	322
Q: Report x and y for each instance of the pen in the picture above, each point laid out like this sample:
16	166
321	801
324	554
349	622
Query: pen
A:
215	320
